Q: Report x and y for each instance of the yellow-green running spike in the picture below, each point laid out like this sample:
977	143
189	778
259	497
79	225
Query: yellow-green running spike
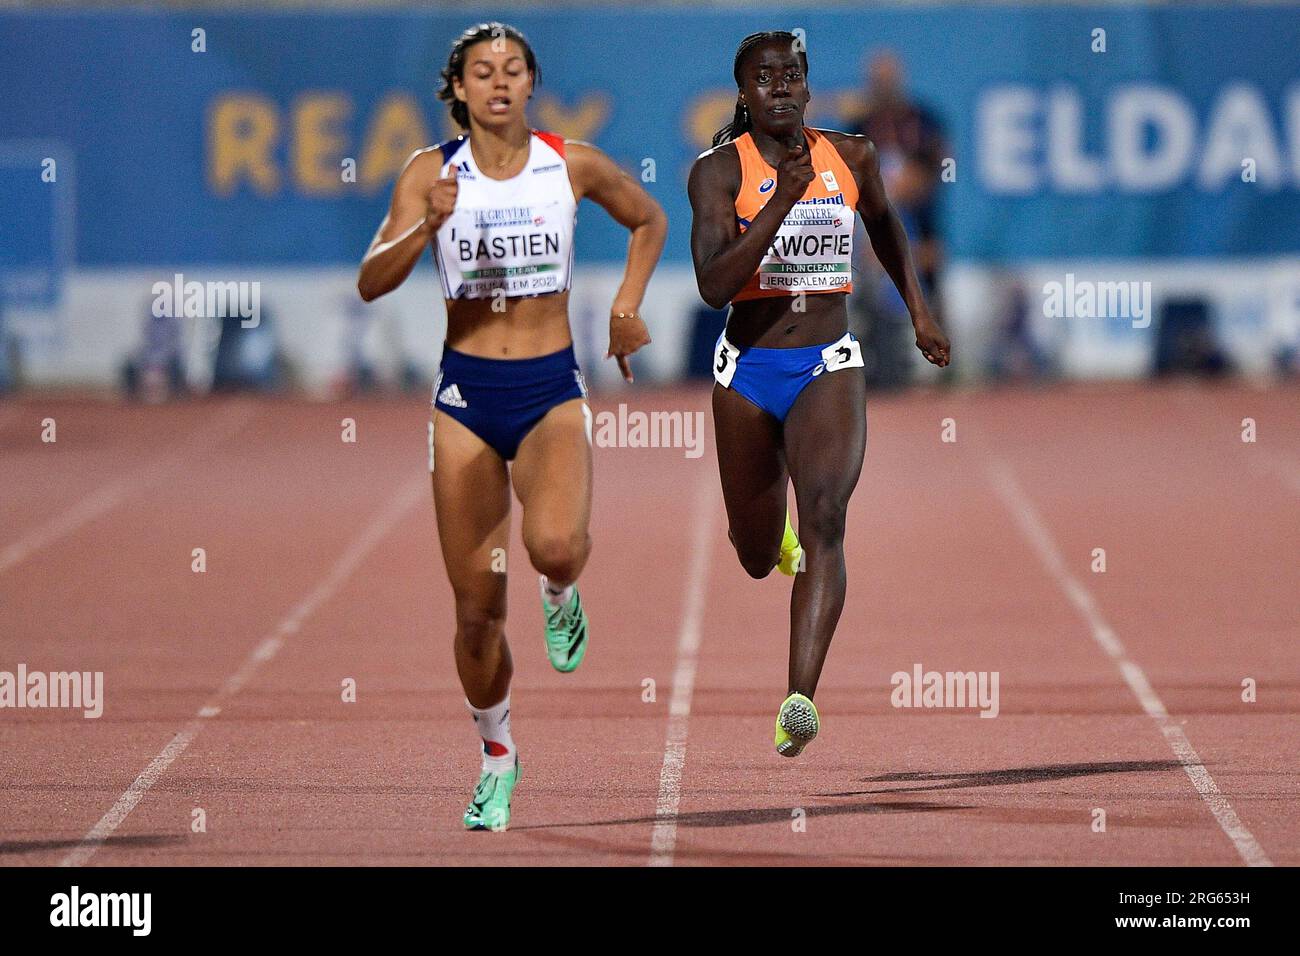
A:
791	561
797	724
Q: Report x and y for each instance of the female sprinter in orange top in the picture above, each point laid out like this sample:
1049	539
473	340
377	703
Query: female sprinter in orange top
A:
498	204
774	204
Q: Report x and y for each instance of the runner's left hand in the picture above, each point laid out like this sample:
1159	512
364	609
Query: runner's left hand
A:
627	333
931	340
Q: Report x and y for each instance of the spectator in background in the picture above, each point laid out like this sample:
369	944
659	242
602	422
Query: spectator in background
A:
374	354
1187	341
248	357
154	372
910	144
357	374
1016	355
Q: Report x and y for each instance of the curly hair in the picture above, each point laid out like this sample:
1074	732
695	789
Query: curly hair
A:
455	68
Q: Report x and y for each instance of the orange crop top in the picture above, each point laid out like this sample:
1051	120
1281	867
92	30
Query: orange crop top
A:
812	251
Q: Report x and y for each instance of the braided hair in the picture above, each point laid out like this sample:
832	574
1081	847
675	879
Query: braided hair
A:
455	68
741	121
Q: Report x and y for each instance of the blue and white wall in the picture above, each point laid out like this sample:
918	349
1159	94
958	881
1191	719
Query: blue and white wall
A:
1173	157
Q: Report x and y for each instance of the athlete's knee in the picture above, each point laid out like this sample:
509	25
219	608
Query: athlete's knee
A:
559	556
821	519
757	560
759	566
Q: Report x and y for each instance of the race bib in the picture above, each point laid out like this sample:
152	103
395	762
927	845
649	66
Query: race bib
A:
812	250
724	362
846	353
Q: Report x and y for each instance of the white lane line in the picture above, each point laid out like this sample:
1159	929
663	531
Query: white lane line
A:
663	840
1022	509
223	424
356	551
86	510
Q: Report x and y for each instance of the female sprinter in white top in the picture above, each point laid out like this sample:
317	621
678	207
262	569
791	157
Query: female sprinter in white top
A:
498	204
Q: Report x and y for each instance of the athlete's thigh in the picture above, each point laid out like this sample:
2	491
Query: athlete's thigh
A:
751	464
826	439
552	473
471	495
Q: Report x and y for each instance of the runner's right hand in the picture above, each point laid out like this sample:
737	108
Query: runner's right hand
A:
441	201
794	174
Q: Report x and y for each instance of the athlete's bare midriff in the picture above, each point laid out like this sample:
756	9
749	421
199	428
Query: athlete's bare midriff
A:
526	328
773	323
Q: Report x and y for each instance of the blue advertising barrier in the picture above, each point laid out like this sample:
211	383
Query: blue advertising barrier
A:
201	137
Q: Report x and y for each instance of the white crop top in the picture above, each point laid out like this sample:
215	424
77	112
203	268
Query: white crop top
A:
510	234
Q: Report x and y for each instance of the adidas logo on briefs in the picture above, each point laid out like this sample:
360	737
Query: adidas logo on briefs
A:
451	396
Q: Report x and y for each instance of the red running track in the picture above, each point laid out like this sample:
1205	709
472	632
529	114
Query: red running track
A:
1118	691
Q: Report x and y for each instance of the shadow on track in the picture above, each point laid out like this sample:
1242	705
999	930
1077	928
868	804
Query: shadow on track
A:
125	842
1001	778
759	815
